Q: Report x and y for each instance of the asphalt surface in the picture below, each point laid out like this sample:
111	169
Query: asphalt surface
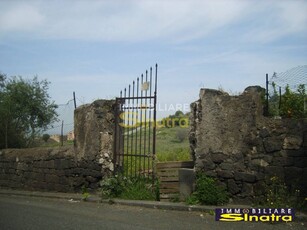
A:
24	212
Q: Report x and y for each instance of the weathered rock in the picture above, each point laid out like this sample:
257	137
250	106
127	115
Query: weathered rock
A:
242	176
292	142
218	157
227	166
232	186
225	174
272	144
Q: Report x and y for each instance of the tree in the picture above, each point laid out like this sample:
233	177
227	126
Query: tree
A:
25	110
46	137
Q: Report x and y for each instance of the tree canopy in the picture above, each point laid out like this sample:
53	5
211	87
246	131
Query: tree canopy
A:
25	110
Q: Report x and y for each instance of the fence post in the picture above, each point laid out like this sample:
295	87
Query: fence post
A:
74	95
62	134
266	110
279	106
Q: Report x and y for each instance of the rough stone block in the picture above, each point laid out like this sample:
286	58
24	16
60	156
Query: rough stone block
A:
57	164
247	177
227	166
271	171
300	162
232	187
52	179
294	153
259	162
211	173
218	157
292	142
91	179
264	132
225	174
259	188
293	175
272	144
77	181
247	189
50	164
208	164
282	161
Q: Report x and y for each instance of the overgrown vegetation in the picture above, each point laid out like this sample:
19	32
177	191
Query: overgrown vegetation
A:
207	192
85	193
128	188
290	104
278	194
25	110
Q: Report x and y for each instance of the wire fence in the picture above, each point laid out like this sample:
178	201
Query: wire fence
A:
66	115
286	93
63	129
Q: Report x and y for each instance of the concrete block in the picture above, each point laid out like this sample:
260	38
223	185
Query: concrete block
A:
186	182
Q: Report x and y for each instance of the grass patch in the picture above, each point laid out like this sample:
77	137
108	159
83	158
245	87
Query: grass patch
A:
128	188
171	146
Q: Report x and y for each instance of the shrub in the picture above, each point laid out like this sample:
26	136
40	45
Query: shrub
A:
207	192
46	137
181	135
291	104
128	188
113	186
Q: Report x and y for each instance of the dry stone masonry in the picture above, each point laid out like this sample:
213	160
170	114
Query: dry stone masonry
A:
66	169
49	169
231	140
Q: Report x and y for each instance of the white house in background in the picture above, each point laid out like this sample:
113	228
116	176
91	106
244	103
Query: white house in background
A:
71	136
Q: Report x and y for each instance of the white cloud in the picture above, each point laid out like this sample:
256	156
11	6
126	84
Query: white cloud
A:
20	18
122	20
134	20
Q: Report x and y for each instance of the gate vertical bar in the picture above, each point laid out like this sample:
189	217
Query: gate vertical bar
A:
150	163
145	126
133	126
137	126
121	132
155	120
141	121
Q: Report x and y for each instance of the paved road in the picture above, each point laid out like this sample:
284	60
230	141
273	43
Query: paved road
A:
18	212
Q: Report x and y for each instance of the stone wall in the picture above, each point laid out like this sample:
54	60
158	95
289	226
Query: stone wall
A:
66	169
231	140
50	169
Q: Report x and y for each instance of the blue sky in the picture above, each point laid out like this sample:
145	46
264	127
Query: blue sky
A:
96	48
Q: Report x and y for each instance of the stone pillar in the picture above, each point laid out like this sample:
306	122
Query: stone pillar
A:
94	127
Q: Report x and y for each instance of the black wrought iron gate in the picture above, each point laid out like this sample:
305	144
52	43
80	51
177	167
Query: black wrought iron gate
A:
135	127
